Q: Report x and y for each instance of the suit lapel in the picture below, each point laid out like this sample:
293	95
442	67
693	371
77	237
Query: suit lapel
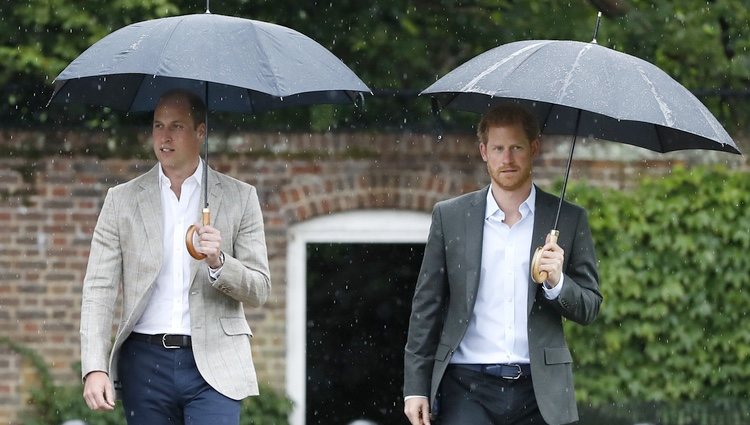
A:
150	208
214	195
545	209
474	225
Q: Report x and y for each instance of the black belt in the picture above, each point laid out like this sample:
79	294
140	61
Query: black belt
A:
505	371
165	340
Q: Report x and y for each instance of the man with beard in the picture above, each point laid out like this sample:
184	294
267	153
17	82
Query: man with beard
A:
486	343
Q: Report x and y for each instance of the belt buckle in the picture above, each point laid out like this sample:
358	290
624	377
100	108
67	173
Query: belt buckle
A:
518	373
510	377
164	342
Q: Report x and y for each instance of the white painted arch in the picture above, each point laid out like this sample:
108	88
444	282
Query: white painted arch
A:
361	226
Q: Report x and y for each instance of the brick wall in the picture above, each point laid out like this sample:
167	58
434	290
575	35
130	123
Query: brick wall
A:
50	199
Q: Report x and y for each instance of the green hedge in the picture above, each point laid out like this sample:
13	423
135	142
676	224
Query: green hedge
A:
53	404
674	264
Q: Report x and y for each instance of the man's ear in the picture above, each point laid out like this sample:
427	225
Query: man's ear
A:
536	146
201	130
483	151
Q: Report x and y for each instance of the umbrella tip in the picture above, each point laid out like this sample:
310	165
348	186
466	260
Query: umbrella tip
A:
359	101
438	122
596	28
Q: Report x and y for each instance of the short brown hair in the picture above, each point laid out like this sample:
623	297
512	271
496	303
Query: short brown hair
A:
197	106
508	113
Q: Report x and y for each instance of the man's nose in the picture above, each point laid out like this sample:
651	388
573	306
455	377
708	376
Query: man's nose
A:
507	155
163	135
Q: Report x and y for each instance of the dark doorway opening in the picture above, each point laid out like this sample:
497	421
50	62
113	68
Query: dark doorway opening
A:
358	306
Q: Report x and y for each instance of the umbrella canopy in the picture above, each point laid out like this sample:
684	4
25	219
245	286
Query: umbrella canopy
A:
586	90
235	64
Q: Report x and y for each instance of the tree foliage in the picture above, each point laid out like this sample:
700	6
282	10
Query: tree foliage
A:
674	275
398	47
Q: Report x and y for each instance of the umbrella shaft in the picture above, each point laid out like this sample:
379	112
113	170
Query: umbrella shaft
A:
205	168
205	149
567	170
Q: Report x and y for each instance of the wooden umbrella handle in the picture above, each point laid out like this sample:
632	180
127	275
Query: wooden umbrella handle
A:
206	219
537	275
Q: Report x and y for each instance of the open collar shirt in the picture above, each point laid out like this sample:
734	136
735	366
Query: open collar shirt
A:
497	330
168	310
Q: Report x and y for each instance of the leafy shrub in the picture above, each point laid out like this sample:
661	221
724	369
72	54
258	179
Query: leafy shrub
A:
675	275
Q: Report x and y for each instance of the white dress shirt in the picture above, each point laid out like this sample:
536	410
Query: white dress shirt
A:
167	310
497	330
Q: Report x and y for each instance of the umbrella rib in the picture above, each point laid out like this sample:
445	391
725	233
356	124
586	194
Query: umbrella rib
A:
268	59
164	47
663	107
451	96
547	117
563	92
132	99
470	86
719	131
169	39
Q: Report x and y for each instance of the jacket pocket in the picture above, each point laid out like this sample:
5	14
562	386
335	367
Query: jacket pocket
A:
235	326
557	355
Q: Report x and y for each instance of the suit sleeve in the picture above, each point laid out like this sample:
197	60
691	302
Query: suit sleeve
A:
245	275
100	286
580	298
428	309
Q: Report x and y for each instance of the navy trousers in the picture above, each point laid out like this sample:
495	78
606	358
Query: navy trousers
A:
162	386
471	397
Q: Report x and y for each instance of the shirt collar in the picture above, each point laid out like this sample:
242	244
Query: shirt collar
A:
197	176
527	207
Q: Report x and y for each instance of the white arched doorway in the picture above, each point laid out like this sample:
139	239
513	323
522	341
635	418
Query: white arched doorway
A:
363	226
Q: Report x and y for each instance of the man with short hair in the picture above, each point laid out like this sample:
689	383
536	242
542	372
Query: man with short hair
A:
486	343
182	353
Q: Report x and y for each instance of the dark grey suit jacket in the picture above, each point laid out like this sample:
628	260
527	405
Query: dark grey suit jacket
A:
447	287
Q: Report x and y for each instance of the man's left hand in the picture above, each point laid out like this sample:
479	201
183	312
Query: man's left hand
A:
551	261
210	244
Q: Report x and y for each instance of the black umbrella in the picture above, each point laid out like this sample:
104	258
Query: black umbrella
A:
586	90
234	64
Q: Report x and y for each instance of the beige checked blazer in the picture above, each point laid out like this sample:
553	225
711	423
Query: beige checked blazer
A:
126	253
